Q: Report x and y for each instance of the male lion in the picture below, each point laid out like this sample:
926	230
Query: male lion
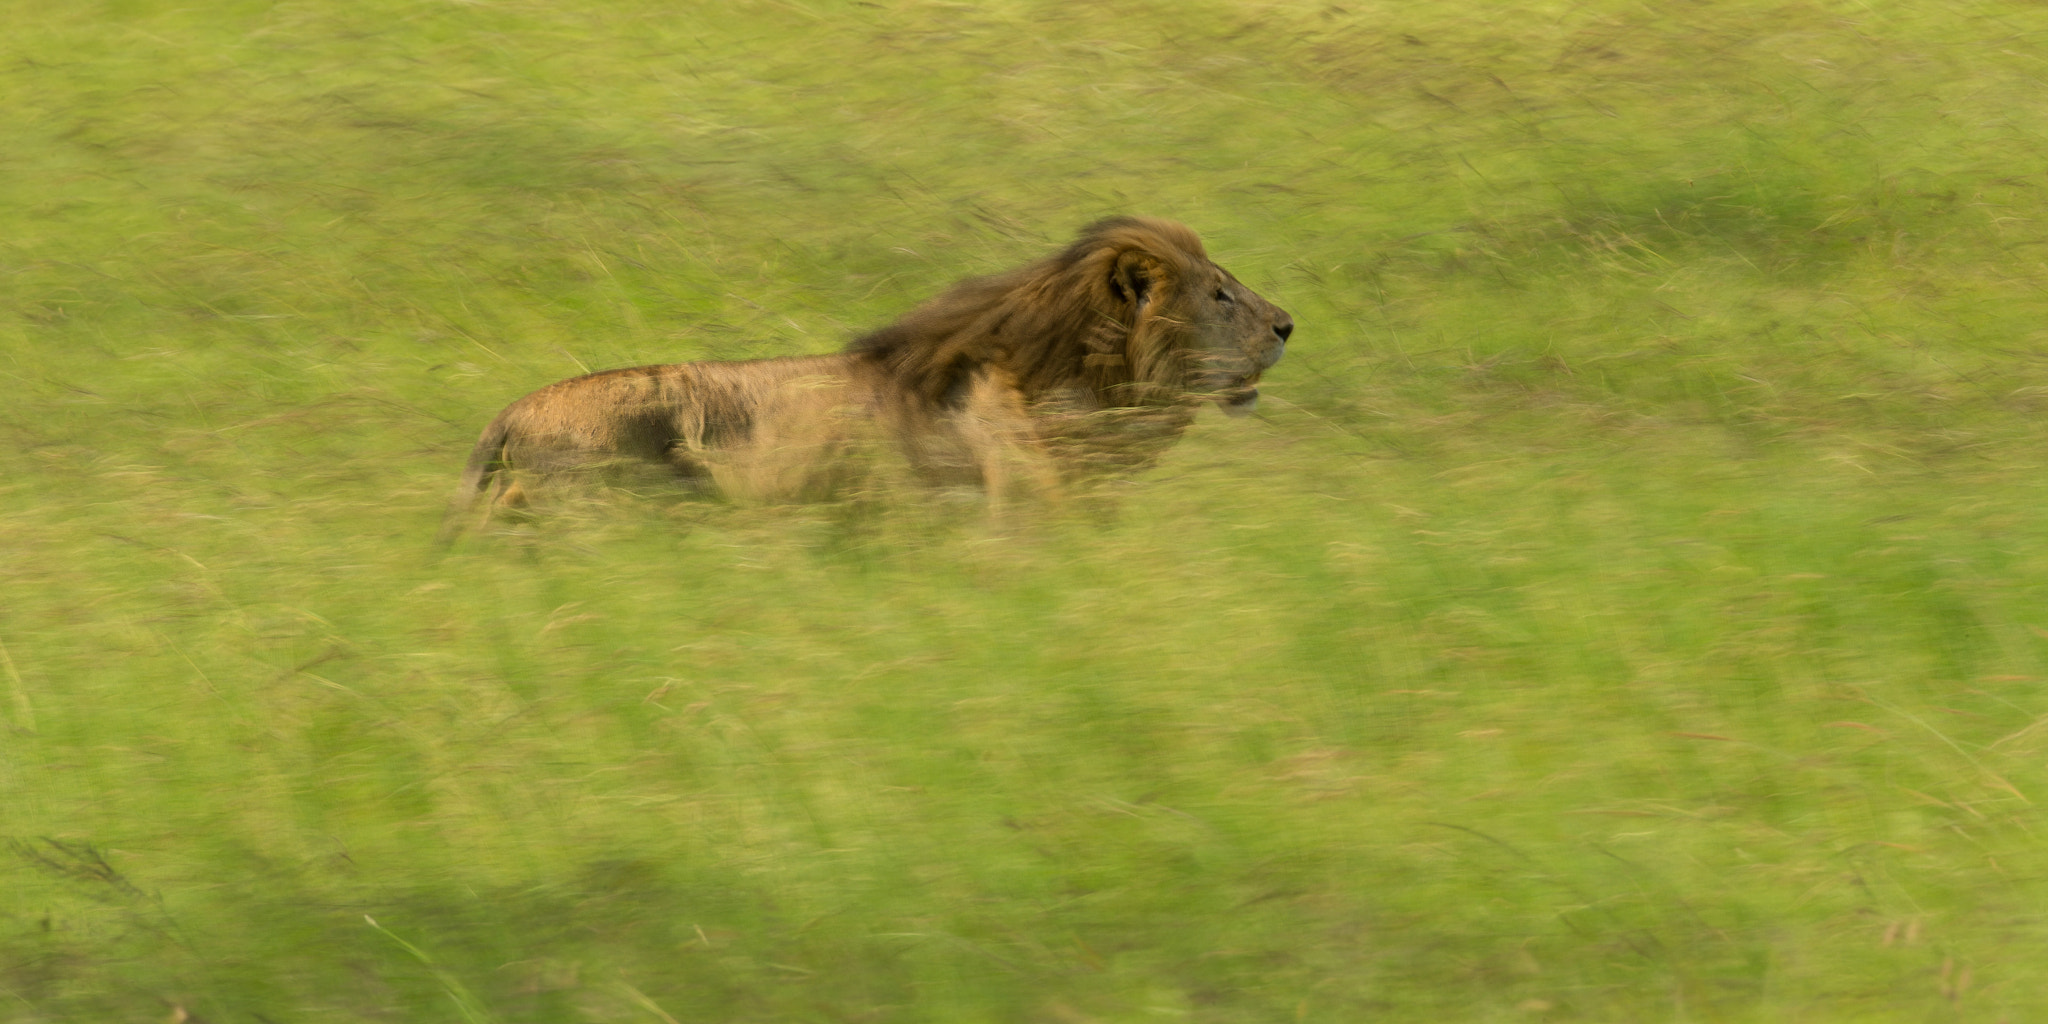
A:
1093	356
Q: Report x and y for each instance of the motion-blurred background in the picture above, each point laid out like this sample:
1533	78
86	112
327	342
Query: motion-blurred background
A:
1630	603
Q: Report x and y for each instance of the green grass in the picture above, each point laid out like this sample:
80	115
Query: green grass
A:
1629	604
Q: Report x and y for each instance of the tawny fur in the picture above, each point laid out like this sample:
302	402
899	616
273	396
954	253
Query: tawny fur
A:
1092	358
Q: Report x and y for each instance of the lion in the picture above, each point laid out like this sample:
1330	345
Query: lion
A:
1091	359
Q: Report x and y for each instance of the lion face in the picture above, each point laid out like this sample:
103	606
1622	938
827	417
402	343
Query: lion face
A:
1236	336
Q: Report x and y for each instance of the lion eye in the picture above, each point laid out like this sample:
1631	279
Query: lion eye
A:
1223	296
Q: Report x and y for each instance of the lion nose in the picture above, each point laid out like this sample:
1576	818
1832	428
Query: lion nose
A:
1281	330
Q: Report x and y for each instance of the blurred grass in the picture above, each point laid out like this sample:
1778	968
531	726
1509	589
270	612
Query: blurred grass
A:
1628	606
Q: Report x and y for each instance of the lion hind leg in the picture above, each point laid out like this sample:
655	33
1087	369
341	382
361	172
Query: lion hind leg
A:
487	465
509	495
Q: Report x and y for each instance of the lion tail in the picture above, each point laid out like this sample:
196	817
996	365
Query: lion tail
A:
486	460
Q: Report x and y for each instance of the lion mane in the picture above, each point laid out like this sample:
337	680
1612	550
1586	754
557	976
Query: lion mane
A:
1090	359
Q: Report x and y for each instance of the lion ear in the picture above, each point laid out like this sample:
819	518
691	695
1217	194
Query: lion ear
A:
1132	279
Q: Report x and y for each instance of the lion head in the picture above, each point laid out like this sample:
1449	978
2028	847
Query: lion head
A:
1131	313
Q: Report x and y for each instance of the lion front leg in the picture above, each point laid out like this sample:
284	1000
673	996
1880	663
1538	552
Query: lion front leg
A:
995	424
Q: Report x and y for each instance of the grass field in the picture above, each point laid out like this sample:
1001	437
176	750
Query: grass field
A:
1630	604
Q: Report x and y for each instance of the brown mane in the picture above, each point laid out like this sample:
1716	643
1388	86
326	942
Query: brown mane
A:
1100	314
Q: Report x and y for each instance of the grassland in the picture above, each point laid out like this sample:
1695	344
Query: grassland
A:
1631	603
